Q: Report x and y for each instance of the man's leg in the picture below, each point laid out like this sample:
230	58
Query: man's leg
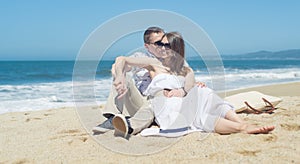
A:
133	100
127	105
111	107
141	120
138	108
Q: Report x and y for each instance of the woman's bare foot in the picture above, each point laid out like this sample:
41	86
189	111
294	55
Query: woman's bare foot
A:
253	129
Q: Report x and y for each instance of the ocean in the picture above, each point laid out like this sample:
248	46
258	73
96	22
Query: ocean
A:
40	85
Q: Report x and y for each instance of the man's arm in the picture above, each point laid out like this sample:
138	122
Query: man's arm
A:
113	69
120	70
119	77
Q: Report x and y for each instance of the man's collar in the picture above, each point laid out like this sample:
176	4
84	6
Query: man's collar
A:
151	55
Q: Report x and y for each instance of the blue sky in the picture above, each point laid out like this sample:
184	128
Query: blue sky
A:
55	30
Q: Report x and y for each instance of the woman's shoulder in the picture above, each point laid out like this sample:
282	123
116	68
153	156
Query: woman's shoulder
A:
168	76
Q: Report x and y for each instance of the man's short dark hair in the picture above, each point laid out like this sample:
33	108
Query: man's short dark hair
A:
151	30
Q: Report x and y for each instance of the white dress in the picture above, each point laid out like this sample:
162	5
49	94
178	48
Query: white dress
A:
198	110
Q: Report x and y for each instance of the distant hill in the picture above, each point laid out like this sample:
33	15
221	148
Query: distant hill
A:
285	54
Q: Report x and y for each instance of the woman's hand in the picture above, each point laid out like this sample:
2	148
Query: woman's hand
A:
174	93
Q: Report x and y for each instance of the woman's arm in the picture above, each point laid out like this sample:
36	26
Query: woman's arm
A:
189	80
181	92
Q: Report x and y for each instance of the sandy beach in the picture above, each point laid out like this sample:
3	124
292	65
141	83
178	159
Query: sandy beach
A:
58	136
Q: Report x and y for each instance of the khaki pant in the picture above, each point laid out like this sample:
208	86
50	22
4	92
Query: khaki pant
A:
132	104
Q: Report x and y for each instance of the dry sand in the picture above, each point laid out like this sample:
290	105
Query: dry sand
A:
57	136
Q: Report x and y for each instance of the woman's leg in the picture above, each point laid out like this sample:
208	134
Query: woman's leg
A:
224	126
232	116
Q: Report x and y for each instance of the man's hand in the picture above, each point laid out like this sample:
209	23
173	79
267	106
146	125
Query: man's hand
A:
120	86
200	84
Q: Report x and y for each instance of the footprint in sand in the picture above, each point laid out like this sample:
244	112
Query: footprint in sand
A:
72	133
290	127
47	114
248	152
69	131
13	119
23	161
270	138
83	139
35	118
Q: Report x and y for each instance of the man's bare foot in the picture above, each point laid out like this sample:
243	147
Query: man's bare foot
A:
253	129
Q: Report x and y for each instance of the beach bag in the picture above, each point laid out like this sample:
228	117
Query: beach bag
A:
253	102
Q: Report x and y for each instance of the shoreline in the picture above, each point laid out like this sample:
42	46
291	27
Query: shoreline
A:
58	136
263	85
267	89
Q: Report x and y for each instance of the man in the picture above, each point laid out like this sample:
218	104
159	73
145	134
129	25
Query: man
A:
129	101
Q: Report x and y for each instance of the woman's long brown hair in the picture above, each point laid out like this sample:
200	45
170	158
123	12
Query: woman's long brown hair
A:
176	61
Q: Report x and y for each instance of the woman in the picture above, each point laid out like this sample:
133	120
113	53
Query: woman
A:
201	109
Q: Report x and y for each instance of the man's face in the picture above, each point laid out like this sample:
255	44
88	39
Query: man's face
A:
154	37
164	48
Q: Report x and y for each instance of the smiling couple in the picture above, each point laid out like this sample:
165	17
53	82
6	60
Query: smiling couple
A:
160	86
